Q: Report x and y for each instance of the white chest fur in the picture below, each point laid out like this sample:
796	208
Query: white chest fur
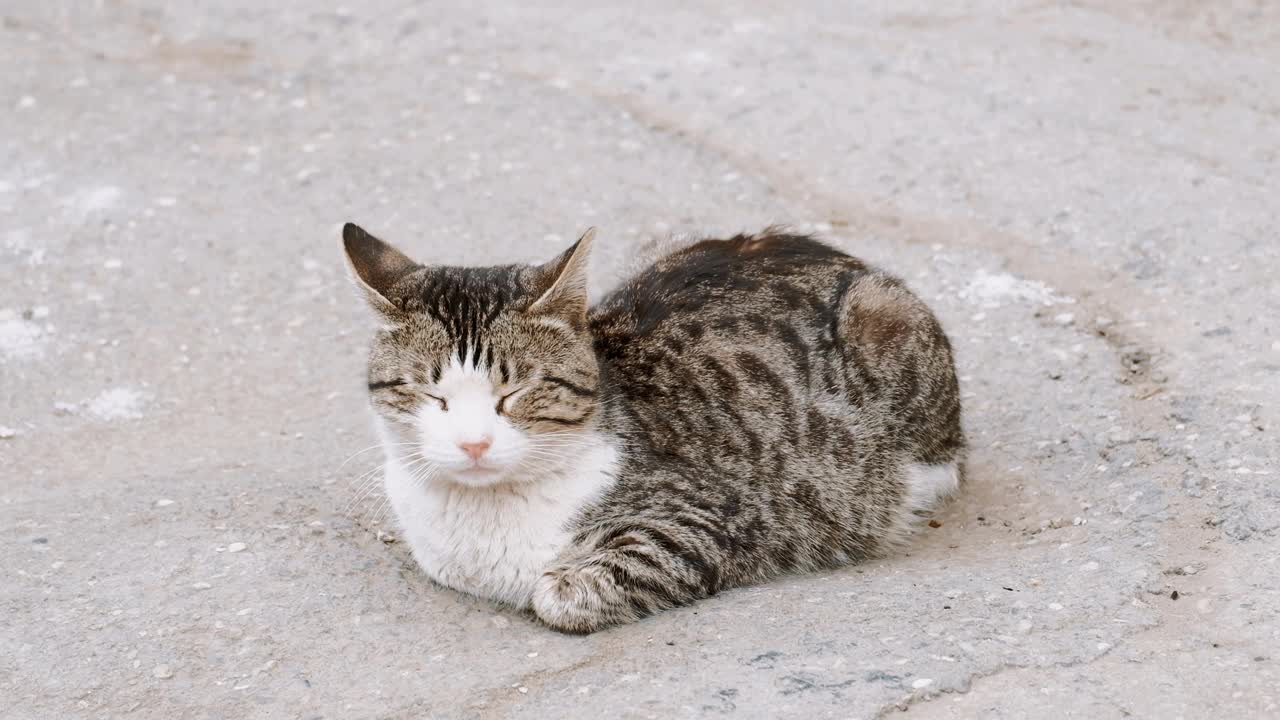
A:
496	541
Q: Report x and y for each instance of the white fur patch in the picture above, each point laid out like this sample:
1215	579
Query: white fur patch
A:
496	540
928	486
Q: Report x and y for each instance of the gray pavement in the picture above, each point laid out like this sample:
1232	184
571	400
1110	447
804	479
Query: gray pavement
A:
1085	191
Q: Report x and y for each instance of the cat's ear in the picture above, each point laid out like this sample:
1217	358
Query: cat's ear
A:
375	266
565	282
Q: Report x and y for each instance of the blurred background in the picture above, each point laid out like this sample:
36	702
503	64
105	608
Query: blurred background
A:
1085	191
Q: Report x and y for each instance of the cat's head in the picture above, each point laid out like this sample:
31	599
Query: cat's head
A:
479	375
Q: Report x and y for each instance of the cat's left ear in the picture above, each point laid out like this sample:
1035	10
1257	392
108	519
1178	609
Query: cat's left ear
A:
565	280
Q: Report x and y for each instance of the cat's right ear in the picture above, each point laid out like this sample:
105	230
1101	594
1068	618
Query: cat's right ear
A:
375	266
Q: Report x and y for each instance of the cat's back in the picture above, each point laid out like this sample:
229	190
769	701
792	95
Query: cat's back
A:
777	339
729	345
719	287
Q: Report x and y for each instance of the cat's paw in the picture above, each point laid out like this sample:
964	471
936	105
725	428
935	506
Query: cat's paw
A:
576	599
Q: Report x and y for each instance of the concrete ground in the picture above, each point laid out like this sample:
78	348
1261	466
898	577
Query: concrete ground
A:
1086	191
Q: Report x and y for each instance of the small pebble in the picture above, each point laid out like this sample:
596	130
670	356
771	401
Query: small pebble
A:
1064	318
236	547
922	683
164	502
200	586
7	432
386	537
162	672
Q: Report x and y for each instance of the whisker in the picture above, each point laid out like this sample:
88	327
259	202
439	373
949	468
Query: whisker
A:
386	500
371	447
425	475
365	475
368	491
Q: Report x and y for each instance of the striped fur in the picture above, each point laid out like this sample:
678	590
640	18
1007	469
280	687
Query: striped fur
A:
775	406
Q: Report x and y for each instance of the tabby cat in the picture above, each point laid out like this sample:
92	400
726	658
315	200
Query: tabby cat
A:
738	409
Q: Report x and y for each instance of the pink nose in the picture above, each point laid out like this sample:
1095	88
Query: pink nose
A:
475	450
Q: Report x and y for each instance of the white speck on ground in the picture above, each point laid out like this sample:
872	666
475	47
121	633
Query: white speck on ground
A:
236	547
992	290
120	403
7	432
94	200
162	672
164	502
19	339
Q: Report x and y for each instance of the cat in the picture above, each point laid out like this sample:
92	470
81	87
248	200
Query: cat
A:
736	410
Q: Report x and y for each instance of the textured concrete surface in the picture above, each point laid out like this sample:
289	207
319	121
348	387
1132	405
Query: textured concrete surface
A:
1086	191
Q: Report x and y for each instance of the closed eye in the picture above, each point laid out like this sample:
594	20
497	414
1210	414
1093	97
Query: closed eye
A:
501	407
401	382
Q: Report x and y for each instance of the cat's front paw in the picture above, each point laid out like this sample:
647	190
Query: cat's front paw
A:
577	599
